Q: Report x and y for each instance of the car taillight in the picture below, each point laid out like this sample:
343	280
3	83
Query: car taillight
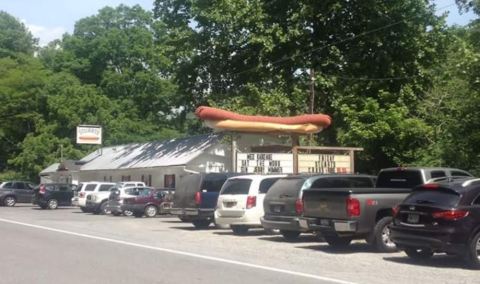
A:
198	197
431	186
353	207
42	189
251	201
450	215
299	206
395	210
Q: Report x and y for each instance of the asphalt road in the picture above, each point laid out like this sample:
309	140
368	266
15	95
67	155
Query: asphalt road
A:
67	246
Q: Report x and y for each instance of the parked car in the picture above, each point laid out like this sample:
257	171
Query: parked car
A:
86	188
53	195
240	203
145	201
117	194
440	217
283	203
12	192
344	214
196	197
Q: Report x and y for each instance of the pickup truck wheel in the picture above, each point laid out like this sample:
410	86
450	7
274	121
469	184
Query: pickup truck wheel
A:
338	241
201	224
418	254
290	236
151	211
239	230
473	254
9	201
382	241
52	204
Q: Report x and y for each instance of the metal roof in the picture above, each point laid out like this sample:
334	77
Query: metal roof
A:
172	152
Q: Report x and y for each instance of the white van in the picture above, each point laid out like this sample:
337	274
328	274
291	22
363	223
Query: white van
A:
240	204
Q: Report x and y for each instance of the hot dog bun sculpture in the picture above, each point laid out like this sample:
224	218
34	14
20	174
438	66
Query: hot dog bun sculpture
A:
220	120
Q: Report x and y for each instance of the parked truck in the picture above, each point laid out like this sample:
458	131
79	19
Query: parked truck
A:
344	214
196	197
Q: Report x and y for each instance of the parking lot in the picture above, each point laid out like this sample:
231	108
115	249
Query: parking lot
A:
53	246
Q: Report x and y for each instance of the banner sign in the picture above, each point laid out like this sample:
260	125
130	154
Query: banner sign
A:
89	134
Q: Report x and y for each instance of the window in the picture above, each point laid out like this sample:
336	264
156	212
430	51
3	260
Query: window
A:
266	184
144	191
8	185
104	178
236	186
63	188
460	174
143	178
110	178
105	187
437	174
361	182
149	180
90	187
399	179
20	185
30	186
169	181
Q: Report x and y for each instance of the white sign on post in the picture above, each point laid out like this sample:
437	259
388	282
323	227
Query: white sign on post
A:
264	163
89	134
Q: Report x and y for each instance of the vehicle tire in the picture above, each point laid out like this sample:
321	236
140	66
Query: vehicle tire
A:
239	230
290	236
84	210
52	204
127	213
102	210
418	254
473	253
201	224
335	241
381	235
151	211
185	219
9	201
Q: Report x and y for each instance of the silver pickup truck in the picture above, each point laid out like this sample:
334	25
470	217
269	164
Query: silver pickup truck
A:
343	214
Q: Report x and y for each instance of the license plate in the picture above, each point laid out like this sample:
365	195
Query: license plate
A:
413	218
230	204
324	222
277	209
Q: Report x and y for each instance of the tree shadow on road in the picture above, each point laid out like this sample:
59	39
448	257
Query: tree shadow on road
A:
438	260
350	249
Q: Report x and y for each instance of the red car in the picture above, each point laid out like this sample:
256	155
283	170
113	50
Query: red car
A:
147	201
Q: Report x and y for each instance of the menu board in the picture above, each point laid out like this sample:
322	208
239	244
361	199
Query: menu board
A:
264	163
324	163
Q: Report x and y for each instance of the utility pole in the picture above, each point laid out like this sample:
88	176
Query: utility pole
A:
312	98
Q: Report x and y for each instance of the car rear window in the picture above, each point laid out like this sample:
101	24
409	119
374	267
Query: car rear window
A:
236	186
287	186
90	187
433	197
213	184
399	179
266	184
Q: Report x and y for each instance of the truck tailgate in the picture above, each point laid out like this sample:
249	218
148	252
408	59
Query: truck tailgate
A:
329	204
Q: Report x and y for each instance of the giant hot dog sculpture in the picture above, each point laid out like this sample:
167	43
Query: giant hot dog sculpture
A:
219	119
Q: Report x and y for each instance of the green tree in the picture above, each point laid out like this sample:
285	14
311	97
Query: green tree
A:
14	36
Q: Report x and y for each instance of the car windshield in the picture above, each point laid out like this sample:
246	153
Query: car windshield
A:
399	179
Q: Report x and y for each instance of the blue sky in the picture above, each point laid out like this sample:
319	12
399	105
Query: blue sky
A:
49	19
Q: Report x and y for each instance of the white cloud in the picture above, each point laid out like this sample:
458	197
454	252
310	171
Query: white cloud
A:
45	34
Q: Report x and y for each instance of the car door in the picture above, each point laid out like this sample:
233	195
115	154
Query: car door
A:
22	192
64	194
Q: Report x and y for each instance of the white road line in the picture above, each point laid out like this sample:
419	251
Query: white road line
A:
194	255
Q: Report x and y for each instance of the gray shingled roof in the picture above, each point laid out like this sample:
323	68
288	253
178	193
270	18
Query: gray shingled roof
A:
172	152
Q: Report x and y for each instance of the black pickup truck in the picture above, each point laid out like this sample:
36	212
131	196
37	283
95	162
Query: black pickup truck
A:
344	214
